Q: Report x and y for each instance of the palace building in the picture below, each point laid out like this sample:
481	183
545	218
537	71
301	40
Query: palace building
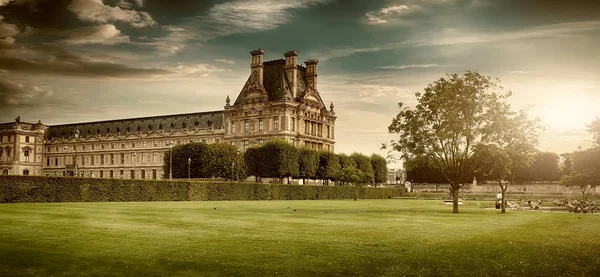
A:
279	100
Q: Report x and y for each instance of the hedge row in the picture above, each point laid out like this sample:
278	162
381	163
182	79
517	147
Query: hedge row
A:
25	189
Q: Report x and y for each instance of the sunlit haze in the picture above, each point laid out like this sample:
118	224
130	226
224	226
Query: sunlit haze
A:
89	60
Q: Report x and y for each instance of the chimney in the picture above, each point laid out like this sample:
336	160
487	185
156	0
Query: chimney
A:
290	70
257	64
311	72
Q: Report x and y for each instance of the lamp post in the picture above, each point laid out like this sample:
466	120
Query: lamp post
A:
170	144
189	163
134	156
76	137
65	148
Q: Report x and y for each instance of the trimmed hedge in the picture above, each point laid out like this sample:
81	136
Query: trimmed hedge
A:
26	189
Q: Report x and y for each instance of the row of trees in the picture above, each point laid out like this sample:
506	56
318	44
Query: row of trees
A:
544	166
279	159
201	160
274	159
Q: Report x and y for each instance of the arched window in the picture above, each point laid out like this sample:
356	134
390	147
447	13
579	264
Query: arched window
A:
5	172
26	172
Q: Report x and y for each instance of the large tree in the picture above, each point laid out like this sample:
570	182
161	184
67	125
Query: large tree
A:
452	115
380	169
308	162
586	171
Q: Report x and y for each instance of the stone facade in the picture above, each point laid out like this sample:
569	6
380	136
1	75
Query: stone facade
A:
280	100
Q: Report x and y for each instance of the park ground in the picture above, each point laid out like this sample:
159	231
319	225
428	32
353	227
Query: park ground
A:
293	238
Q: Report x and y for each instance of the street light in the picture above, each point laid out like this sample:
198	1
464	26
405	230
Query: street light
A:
76	137
65	148
189	162
170	144
134	155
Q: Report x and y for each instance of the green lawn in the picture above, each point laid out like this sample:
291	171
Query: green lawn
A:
321	238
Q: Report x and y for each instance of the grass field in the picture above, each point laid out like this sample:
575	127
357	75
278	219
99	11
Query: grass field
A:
320	238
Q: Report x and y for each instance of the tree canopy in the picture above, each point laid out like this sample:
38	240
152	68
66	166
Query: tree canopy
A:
451	117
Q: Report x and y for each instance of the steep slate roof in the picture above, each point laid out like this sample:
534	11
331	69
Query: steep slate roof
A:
167	123
276	83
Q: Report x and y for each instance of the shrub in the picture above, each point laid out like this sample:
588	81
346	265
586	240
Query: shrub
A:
24	189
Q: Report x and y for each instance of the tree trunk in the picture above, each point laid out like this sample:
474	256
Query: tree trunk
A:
503	203
454	188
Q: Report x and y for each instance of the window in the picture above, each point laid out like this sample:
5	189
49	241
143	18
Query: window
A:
328	132
233	143
132	174
110	174
154	174
293	124
83	147
143	174
26	155
27	139
26	172
246	126
112	159
261	141
122	159
153	158
122	145
276	123
121	173
260	124
101	158
245	145
92	159
48	162
133	145
232	123
56	161
101	174
82	160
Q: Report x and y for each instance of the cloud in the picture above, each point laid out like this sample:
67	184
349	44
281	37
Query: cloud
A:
106	34
96	11
202	69
225	61
21	95
174	42
128	4
408	66
384	14
560	30
518	72
7	31
243	16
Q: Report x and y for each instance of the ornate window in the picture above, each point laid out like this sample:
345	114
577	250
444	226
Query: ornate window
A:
276	123
260	124
27	139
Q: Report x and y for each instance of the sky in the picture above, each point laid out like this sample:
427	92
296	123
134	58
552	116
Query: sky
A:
66	61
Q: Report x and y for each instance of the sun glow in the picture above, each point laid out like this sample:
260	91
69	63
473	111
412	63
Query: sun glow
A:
566	111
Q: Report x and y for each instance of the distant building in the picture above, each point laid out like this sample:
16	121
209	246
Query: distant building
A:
280	100
395	177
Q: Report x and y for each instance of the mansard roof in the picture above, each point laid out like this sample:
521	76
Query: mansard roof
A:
167	123
276	83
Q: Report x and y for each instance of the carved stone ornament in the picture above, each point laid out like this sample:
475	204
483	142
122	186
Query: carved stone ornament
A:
253	111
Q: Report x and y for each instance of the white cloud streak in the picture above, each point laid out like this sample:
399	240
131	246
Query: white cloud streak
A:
409	66
106	34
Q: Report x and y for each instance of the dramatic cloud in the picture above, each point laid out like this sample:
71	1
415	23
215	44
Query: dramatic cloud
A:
96	11
104	34
249	16
174	42
7	31
20	95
